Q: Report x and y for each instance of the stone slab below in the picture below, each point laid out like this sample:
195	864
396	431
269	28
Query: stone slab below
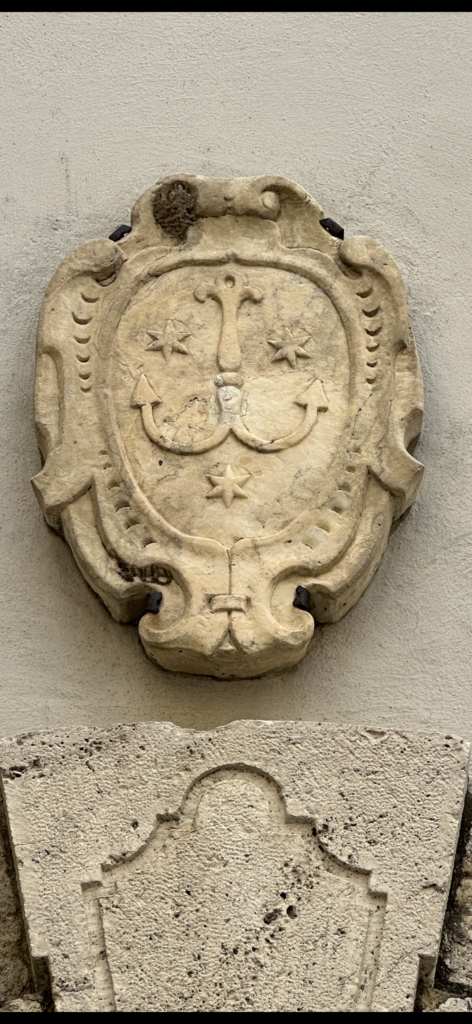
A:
263	866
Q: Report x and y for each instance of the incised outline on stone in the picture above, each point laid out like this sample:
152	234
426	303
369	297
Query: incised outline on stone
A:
227	944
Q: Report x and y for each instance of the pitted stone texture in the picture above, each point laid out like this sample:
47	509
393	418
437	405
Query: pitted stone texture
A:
265	865
455	962
15	975
454	1005
28	1004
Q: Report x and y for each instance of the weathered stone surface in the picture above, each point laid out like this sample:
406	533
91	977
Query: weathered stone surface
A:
15	974
453	1005
454	971
224	401
265	865
27	1004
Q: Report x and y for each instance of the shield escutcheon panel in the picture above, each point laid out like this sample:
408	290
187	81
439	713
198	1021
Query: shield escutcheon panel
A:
224	405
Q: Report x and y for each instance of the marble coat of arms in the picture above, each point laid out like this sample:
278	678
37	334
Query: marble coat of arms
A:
224	401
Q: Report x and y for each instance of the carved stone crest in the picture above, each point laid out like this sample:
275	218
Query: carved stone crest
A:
224	402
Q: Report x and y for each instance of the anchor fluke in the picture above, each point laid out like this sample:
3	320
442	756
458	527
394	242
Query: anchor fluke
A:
144	394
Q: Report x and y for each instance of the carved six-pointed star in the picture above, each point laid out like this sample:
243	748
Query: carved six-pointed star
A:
291	346
169	340
228	486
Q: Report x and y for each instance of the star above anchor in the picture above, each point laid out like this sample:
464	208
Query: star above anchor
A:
228	486
169	340
292	346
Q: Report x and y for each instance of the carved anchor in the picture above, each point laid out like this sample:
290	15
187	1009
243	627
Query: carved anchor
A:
313	399
230	290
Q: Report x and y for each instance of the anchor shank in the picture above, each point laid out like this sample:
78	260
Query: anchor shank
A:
229	290
229	352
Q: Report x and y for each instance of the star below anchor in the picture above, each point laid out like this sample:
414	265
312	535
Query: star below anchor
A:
169	340
291	346
228	486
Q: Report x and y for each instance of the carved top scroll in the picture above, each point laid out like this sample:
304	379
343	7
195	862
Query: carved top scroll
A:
224	402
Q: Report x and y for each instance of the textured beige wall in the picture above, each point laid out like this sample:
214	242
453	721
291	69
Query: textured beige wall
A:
371	114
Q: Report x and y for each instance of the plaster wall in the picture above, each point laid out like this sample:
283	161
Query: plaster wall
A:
370	112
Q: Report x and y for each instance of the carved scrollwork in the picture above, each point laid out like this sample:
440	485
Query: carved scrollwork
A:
243	354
